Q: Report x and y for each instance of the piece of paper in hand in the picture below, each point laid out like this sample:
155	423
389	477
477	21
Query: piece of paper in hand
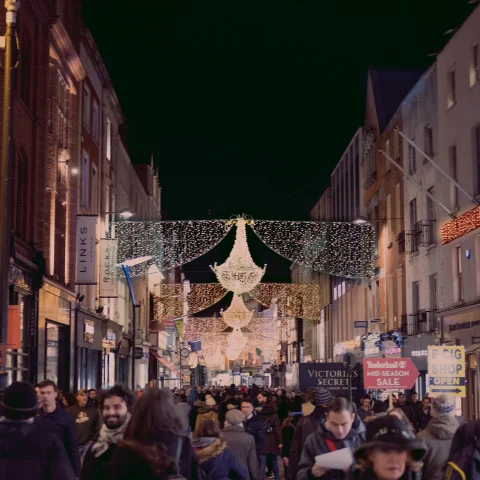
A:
338	460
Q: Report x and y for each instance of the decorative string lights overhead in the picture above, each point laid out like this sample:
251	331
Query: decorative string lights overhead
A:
239	274
465	223
237	315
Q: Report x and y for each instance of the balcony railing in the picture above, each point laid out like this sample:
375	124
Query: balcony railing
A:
421	322
404	324
407	242
425	232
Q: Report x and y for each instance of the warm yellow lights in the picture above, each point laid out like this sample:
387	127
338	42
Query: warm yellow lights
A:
460	226
237	314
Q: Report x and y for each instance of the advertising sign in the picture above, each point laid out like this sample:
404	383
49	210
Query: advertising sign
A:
360	324
108	259
86	249
88	331
446	370
389	374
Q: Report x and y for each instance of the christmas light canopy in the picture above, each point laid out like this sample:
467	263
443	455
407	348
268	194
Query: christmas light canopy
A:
237	314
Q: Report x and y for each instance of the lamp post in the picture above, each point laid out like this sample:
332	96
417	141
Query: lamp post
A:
9	65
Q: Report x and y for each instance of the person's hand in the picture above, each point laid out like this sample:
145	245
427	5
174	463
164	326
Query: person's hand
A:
318	471
285	461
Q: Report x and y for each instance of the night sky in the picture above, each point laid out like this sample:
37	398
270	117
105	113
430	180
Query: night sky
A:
248	105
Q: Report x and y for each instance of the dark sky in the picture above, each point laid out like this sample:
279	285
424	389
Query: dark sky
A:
247	105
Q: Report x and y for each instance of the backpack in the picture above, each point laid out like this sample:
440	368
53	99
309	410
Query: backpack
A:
459	466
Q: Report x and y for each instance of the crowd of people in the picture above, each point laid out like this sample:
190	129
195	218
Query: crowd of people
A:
231	432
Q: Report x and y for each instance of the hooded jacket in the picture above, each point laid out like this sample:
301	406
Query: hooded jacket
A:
206	413
316	445
438	438
268	416
216	460
29	452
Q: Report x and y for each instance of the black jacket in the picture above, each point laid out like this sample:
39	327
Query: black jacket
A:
288	431
370	475
29	452
408	409
421	420
98	468
254	426
63	425
269	417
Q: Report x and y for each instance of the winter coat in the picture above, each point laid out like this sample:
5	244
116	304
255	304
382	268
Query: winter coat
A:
98	468
305	426
408	409
364	414
183	411
370	475
316	445
29	452
206	413
128	464
422	419
438	437
288	431
194	413
217	461
192	398
269	417
254	426
63	425
242	446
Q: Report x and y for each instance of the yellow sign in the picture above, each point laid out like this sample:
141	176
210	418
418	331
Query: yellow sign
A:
446	370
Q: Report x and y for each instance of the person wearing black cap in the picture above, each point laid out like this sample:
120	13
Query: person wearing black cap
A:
305	426
390	452
28	452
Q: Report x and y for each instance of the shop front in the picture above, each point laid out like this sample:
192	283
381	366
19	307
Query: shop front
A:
111	340
416	348
463	328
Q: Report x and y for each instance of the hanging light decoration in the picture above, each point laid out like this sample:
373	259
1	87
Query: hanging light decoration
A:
216	360
239	274
237	314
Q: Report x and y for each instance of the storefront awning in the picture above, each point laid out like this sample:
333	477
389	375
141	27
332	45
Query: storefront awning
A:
475	348
161	360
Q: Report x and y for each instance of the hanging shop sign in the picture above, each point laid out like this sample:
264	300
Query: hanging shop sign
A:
86	249
138	353
360	324
389	374
108	260
446	370
110	339
88	331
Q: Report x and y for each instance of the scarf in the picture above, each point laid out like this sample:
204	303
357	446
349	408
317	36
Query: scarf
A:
108	437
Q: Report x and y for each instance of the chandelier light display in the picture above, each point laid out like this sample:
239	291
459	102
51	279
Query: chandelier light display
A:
237	314
239	274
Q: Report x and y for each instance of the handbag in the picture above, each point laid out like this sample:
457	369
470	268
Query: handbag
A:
177	475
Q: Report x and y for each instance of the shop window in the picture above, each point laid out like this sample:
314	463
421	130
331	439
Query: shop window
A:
457	274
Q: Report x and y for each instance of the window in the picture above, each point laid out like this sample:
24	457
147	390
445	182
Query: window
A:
413	214
474	65
108	143
451	85
388	164
398	209
389	220
107	207
396	144
415	297
452	160
94	189
431	205
21	194
432	280
457	274
412	158
86	107
96	122
85	180
477	156
428	139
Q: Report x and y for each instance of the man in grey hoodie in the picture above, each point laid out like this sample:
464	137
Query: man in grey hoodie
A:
438	437
183	411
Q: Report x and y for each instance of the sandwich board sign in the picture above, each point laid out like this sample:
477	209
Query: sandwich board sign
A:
446	370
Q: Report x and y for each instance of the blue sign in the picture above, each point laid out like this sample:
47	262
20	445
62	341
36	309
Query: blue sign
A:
360	324
126	271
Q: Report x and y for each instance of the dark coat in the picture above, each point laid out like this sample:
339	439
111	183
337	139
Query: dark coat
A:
63	425
408	409
370	475
254	426
305	426
288	430
268	416
363	414
217	461
316	445
29	452
421	420
128	464
242	446
98	468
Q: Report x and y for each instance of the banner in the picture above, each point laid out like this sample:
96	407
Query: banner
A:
108	259
86	249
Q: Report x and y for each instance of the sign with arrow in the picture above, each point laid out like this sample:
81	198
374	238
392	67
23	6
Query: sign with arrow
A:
446	370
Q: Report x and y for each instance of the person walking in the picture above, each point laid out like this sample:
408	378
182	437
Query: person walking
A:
28	452
365	409
423	415
438	437
273	438
56	420
288	429
116	407
207	412
86	421
216	459
253	425
407	407
92	398
336	431
153	438
183	410
241	443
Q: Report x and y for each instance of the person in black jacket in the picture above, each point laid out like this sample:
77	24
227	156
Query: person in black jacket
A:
28	452
152	439
273	437
116	406
288	429
57	421
253	425
407	407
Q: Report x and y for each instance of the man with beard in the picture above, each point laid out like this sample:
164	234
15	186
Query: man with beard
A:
115	406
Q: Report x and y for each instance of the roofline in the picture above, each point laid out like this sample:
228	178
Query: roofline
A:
357	132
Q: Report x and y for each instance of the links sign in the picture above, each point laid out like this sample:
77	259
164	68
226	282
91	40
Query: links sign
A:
446	370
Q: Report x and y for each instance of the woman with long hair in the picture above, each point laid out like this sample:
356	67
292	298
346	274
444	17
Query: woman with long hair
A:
153	442
288	428
216	459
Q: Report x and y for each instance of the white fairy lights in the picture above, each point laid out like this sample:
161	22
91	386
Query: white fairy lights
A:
237	315
239	274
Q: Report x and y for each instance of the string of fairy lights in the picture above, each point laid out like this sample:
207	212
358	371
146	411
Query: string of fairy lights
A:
465	223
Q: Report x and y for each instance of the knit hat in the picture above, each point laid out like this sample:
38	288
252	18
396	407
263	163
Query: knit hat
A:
390	433
19	401
234	417
443	404
322	396
210	401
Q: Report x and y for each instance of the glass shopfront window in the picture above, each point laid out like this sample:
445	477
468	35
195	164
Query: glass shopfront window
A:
56	363
88	368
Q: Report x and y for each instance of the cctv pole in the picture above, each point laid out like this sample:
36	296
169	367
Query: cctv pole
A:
5	169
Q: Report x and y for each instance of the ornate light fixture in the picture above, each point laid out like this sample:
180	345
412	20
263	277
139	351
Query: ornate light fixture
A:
237	314
239	274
